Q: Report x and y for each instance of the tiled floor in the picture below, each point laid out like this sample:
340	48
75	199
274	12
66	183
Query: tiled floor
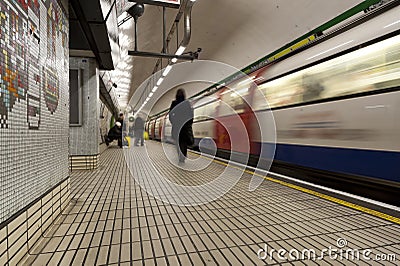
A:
112	220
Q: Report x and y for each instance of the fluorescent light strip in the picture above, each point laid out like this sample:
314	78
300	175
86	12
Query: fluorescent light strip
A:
167	70
154	89
151	94
174	60
340	45
180	50
160	81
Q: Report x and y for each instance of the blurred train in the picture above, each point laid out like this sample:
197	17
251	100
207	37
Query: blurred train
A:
336	104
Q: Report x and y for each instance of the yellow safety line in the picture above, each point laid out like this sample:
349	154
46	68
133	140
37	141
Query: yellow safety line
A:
318	194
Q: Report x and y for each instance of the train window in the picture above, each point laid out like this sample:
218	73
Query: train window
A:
167	122
205	111
157	126
373	67
283	91
234	101
370	68
199	113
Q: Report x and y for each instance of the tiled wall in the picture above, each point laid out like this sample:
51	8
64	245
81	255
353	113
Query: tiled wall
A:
25	229
34	101
84	139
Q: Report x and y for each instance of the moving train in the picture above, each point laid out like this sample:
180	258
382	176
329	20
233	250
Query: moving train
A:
336	105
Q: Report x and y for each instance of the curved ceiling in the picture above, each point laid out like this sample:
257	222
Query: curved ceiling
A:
234	32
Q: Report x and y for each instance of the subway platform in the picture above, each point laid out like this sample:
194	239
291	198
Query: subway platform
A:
113	219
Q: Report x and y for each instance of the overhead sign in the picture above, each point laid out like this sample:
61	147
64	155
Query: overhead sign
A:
166	3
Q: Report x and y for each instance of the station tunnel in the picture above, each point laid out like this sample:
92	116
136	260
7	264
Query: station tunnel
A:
199	132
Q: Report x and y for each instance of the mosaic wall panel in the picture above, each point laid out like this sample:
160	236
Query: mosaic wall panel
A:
84	139
34	97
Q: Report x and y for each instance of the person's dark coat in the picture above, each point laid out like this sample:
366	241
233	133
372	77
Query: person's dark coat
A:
121	120
139	123
181	117
115	132
138	126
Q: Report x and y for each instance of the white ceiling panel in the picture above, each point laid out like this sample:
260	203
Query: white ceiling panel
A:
234	32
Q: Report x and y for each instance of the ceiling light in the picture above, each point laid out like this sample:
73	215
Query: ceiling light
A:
167	70
174	60
180	50
136	11
151	94
154	89
160	81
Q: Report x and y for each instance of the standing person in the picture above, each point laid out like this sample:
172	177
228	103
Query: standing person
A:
181	117
121	119
139	130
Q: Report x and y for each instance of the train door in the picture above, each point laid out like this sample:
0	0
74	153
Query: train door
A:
253	124
157	128
152	129
236	119
221	134
162	124
232	121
